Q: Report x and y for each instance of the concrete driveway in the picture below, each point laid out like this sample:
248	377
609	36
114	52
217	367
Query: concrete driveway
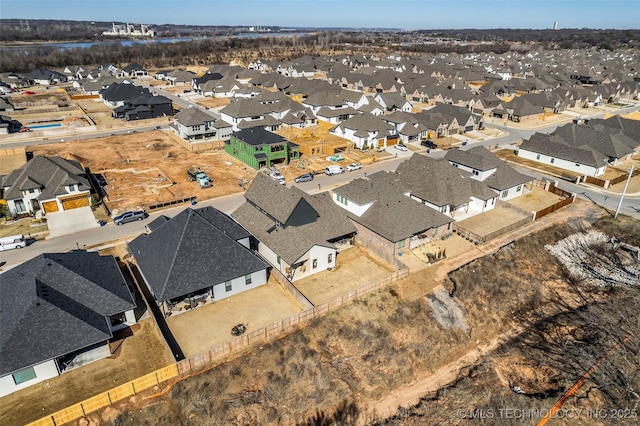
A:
71	221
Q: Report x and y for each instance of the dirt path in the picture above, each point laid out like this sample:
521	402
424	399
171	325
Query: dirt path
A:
444	376
411	394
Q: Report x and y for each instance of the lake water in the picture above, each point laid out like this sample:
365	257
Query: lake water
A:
84	45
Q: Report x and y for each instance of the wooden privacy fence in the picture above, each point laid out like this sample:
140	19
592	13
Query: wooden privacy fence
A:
570	199
596	181
214	355
109	397
623	177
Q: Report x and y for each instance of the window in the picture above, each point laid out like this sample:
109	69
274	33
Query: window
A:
330	258
117	319
227	286
552	160
247	279
31	191
195	128
519	188
476	173
538	157
24	375
402	243
314	263
278	260
504	193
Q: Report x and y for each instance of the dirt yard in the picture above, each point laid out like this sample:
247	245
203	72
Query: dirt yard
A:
354	268
200	329
142	169
138	354
491	221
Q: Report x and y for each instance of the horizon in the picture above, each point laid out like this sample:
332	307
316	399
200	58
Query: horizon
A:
341	14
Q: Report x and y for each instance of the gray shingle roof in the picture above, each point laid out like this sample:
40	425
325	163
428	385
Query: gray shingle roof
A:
393	215
304	220
191	252
258	136
57	303
555	146
440	183
49	174
478	157
193	117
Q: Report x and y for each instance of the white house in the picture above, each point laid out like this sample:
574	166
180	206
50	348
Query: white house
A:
58	312
49	184
196	257
297	232
491	170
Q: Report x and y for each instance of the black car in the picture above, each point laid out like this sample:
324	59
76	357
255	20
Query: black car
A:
429	144
307	177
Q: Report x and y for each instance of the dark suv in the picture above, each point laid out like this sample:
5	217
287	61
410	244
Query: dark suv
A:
429	144
129	217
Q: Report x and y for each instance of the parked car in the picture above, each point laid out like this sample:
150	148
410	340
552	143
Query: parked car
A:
333	170
280	180
127	217
401	147
12	242
307	177
354	166
429	144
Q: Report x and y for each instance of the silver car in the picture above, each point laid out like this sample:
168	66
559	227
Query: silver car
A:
126	217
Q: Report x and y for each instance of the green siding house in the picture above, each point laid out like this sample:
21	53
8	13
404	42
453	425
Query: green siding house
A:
257	148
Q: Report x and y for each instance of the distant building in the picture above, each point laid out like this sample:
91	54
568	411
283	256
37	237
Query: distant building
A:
129	30
555	25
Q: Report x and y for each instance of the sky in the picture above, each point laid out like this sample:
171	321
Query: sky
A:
405	14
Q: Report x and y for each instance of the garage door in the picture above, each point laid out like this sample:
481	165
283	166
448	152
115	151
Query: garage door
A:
468	129
50	206
75	202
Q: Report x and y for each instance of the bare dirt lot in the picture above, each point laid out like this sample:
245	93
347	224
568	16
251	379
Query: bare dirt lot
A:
142	169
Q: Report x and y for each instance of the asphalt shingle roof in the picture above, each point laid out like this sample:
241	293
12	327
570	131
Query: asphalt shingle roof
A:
303	220
50	174
57	303
191	252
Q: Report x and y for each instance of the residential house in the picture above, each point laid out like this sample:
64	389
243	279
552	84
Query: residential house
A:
387	220
329	107
259	148
491	170
118	94
555	151
198	256
134	70
408	127
197	82
180	77
297	232
193	124
48	183
58	312
393	102
366	130
143	107
445	188
46	77
8	125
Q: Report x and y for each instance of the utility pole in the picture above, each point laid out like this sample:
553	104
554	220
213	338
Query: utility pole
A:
615	216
